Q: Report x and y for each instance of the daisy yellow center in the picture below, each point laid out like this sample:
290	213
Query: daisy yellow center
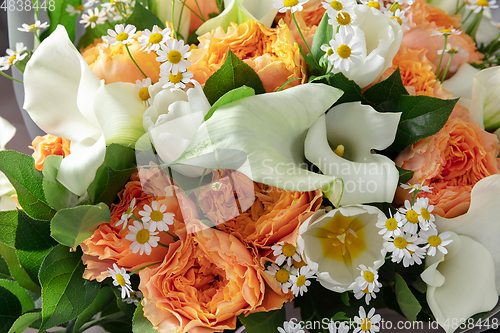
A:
412	216
174	57
288	250
290	3
299	264
482	3
366	290
12	59
128	211
343	18
391	224
368	276
156	216
339	151
329	52
300	281
175	78
400	243
193	47
142	236
144	93
425	214
122	36
93	18
79	7
344	51
32	26
337	5
446	31
155	38
366	324
282	276
434	241
120	280
397	19
373	4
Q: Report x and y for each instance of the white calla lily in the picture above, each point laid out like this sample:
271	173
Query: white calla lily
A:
367	177
7	132
486	97
460	84
64	98
240	11
335	244
263	137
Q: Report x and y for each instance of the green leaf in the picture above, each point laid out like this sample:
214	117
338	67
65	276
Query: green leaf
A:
58	196
422	116
404	175
65	293
390	88
407	302
72	226
91	35
141	324
33	242
264	322
229	97
322	36
60	16
21	294
234	73
10	309
142	18
352	92
345	298
102	300
4	269
28	182
16	270
25	321
8	225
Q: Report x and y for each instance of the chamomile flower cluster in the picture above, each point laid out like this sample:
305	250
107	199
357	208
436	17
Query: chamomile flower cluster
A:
13	56
291	5
366	285
93	13
173	69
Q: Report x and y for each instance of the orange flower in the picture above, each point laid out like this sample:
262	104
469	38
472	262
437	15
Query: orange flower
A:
272	53
113	64
451	162
203	284
49	145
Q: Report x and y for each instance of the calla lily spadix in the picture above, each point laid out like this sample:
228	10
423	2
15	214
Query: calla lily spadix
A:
367	177
263	137
64	98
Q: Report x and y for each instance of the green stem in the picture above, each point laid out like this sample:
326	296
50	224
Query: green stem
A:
180	19
164	245
447	67
102	320
140	269
467	17
459	8
305	42
130	55
442	55
192	11
174	33
10	77
173	236
492	44
199	9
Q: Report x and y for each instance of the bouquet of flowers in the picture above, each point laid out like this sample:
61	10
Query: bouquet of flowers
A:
208	162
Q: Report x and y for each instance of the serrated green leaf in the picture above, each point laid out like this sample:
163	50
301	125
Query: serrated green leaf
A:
22	295
234	73
407	302
10	309
72	226
322	36
229	97
16	270
58	196
28	182
141	324
352	92
404	175
25	321
102	300
142	18
390	88
422	116
8	225
60	16
65	293
264	322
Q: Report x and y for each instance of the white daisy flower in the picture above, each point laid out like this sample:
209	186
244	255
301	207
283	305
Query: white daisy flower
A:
135	298
152	40
415	257
367	322
121	35
143	237
144	87
92	3
290	327
368	279
403	247
479	5
93	18
177	81
285	252
377	4
390	227
424	210
410	219
416	187
338	327
346	52
122	279
157	218
75	10
446	32
114	3
450	49
399	16
127	214
34	27
334	7
300	280
282	275
174	54
360	293
435	241
292	5
345	20
13	57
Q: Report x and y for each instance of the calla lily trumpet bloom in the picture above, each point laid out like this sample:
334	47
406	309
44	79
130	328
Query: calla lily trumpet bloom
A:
64	98
7	132
367	177
486	97
240	11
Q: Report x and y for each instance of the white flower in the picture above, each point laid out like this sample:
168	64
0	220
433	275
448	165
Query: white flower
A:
335	327
174	54
75	10
290	327
93	18
13	57
7	132
292	5
135	298
300	280
450	49
335	7
285	252
416	187
435	241
377	4
446	32
410	215
144	87
398	16
425	217
152	40
177	81
405	247
33	27
127	214
479	5
390	227
122	279
360	293
143	237
346	53
344	21
367	322
368	278
282	275
486	98
157	217
121	35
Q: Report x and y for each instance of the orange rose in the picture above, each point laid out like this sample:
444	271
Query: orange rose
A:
451	162
49	145
272	53
203	284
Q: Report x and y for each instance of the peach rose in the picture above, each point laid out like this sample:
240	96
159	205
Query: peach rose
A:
108	244
113	64
202	285
47	145
451	162
272	53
